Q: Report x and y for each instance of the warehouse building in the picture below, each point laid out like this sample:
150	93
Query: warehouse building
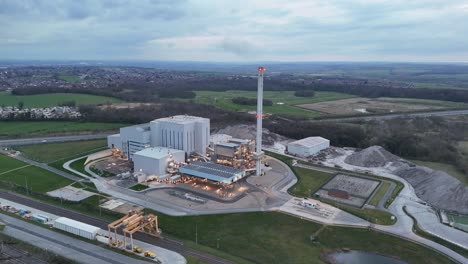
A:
308	146
213	172
155	161
183	132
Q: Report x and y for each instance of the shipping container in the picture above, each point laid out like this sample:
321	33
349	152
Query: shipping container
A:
76	228
39	219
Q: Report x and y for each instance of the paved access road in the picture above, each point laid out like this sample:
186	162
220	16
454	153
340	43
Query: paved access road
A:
42	140
161	242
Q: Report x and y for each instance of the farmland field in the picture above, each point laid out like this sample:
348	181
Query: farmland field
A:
37	179
31	128
50	152
54	99
284	102
360	105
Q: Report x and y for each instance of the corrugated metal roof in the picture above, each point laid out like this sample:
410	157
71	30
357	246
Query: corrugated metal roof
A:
76	224
211	168
310	141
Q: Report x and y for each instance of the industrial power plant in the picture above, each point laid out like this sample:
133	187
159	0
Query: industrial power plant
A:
173	148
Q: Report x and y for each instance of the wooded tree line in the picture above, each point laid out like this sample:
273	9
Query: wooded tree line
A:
146	113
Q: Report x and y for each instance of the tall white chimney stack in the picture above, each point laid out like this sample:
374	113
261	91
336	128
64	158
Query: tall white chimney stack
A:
258	152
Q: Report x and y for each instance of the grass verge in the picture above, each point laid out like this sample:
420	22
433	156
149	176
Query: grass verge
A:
139	187
379	194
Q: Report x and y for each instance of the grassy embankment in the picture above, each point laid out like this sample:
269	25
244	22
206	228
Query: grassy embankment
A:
18	129
309	181
286	99
56	154
53	99
50	152
380	193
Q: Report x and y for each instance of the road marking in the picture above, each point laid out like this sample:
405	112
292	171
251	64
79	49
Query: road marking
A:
5	172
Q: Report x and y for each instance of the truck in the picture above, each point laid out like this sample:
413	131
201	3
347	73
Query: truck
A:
149	254
135	249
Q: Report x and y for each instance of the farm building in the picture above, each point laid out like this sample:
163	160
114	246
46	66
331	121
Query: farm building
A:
155	161
308	146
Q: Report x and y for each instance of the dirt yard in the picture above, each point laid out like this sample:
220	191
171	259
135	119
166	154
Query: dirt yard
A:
364	105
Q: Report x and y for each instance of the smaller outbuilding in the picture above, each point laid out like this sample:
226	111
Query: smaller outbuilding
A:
155	161
308	146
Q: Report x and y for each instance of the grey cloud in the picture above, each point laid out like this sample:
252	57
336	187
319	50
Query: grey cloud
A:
238	47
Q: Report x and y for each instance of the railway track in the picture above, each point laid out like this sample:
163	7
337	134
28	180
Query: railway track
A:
169	244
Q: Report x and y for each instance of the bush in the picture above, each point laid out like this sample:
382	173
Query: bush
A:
250	101
305	93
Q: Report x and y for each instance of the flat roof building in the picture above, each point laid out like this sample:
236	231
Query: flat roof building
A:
308	146
213	172
155	161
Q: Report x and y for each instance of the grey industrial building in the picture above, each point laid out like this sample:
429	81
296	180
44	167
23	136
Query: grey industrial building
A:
308	146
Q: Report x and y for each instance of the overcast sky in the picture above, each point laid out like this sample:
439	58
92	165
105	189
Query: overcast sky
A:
235	30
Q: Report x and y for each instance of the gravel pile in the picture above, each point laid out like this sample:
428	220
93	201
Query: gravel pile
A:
249	132
436	188
374	156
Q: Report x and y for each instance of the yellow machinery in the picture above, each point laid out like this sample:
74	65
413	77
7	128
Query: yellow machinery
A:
131	223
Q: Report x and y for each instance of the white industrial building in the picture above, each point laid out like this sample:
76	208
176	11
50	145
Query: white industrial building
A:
76	228
182	132
154	161
188	133
308	146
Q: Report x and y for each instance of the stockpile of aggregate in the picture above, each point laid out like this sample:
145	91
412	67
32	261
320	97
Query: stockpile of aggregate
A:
436	188
249	132
371	157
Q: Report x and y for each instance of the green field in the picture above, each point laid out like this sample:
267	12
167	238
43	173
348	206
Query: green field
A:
37	179
53	99
289	100
69	78
380	193
448	168
50	152
277	238
16	129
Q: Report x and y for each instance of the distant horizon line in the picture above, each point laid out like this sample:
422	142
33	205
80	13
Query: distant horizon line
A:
84	61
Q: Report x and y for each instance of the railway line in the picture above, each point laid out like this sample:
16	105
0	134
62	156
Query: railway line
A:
169	244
